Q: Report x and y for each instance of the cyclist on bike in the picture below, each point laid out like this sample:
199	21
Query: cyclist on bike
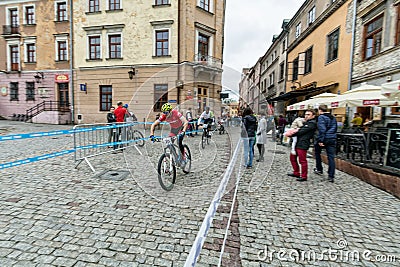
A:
207	117
177	122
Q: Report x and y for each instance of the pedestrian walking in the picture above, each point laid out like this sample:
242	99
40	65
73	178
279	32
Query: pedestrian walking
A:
261	137
326	139
248	133
304	136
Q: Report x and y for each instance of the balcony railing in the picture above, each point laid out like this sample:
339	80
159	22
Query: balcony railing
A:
208	61
11	29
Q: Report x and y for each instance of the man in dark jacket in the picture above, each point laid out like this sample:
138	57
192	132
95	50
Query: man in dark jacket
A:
304	135
111	119
248	134
327	128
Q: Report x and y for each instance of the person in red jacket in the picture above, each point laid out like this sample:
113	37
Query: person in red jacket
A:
120	113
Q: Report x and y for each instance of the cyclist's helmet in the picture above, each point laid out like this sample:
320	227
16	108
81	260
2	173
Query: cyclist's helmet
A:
166	107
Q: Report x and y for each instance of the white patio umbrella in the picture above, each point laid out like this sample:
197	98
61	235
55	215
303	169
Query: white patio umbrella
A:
391	89
310	103
363	96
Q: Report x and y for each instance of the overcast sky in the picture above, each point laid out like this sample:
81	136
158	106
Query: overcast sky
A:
249	27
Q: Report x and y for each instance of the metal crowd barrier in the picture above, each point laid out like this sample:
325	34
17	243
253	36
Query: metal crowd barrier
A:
91	140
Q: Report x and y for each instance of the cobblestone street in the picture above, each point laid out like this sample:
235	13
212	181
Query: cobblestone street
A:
52	214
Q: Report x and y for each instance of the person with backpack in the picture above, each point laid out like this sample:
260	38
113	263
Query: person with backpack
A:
326	139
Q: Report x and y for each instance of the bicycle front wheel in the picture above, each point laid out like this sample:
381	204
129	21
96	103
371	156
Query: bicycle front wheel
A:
203	140
166	172
188	159
138	137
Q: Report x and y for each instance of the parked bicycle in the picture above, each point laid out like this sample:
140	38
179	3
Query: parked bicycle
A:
170	160
136	135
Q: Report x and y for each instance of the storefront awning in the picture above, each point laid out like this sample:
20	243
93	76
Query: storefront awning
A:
304	92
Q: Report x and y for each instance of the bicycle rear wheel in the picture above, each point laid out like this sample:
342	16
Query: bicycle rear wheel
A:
137	135
166	172
188	157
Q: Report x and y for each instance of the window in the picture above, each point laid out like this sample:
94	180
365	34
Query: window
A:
162	43
311	16
30	15
398	26
61	11
283	46
14	55
30	53
14	91
114	4
161	2
94	47
105	97
160	96
295	73
205	4
272	79
62	51
333	46
94	6
373	37
308	61
13	21
281	71
114	44
298	30
203	46
30	91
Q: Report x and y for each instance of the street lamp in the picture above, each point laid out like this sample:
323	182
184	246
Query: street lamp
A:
39	77
132	73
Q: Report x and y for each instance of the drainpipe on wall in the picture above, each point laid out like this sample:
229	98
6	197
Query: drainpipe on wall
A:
179	54
353	36
353	32
71	61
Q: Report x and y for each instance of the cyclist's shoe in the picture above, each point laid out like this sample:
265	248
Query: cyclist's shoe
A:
152	138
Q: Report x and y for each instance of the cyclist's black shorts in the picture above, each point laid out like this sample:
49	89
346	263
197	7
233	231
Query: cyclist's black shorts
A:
208	121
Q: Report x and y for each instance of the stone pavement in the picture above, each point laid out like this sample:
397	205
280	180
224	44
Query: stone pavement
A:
54	215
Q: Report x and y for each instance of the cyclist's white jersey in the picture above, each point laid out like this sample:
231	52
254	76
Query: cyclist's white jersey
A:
206	115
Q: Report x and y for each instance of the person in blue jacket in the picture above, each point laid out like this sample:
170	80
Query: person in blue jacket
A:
326	139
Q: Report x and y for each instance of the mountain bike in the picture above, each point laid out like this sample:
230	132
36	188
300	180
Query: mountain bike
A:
170	160
205	138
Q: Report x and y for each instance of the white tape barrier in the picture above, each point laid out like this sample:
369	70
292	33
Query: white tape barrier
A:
205	226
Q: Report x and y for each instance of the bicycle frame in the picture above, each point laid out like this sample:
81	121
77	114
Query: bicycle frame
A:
171	150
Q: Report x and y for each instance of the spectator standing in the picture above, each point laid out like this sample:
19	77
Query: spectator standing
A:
281	127
261	137
296	124
304	135
248	133
326	139
120	113
111	119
